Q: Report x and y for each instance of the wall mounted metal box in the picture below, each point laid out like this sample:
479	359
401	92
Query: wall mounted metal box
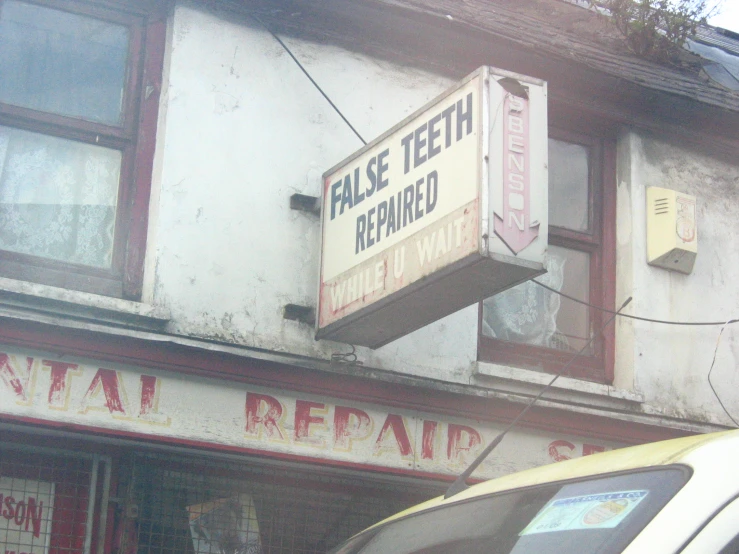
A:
672	233
446	208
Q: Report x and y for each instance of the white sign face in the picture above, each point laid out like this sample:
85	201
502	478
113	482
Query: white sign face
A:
447	208
179	408
26	507
403	208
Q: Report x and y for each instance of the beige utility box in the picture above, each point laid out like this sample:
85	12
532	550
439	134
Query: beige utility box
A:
672	233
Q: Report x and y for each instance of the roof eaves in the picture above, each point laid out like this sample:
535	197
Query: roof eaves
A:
533	33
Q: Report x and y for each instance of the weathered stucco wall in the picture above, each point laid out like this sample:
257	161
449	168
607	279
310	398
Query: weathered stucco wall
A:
670	364
241	130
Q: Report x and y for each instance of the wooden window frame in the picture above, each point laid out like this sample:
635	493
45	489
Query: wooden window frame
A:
135	138
600	243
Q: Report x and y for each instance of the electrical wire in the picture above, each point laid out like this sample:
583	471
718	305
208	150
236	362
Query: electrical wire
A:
351	357
606	310
713	362
639	318
460	483
724	324
304	70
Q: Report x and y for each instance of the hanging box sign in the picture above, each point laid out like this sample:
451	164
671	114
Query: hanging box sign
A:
446	208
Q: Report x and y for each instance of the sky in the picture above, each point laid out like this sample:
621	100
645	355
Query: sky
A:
729	16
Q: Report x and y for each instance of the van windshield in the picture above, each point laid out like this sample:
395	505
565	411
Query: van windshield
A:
600	515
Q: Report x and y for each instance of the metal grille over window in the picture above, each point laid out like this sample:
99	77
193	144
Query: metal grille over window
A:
47	501
202	507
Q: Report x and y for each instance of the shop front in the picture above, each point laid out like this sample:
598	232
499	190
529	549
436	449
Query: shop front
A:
176	501
106	456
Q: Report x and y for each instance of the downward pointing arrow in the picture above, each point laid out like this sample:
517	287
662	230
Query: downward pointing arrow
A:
515	239
514	226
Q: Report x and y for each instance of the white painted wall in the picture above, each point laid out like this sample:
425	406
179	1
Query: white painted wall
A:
670	364
241	129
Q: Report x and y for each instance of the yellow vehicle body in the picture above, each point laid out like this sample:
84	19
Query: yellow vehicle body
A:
701	516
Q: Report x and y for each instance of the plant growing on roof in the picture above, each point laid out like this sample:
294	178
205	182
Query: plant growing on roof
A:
657	29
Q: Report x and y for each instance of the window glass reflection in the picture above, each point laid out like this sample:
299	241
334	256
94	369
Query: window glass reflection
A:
568	185
63	63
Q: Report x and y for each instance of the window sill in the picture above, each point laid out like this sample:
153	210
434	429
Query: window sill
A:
21	296
565	389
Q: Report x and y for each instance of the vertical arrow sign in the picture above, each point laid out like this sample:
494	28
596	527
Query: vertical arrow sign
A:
514	225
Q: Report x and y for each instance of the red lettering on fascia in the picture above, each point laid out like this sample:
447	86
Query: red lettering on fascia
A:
304	419
10	376
108	380
395	424
350	424
263	412
461	438
428	439
58	385
561	450
588	449
148	394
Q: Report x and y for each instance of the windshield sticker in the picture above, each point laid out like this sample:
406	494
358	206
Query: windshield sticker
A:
594	511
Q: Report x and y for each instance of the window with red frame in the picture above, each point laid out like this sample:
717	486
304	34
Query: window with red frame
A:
78	103
533	328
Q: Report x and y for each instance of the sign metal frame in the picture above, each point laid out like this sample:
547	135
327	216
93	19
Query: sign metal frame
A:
490	266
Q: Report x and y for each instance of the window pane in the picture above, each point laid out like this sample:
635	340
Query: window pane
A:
63	63
57	197
530	314
568	185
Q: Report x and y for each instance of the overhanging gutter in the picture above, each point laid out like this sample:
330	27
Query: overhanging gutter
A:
497	19
452	38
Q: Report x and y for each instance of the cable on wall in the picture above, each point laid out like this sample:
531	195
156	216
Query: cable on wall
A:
639	318
460	483
351	357
606	310
348	358
713	362
312	80
724	324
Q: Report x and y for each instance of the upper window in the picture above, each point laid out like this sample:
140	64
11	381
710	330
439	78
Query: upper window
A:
529	326
70	124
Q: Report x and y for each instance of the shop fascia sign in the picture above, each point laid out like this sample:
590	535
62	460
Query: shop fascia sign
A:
150	404
443	210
